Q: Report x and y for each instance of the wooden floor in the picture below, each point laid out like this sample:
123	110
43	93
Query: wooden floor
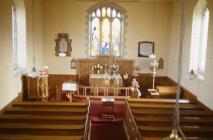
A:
39	121
153	118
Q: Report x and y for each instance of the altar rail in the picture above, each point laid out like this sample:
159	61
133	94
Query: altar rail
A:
97	91
55	82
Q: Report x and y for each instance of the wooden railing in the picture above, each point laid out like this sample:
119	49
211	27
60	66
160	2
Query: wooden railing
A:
131	126
116	91
87	125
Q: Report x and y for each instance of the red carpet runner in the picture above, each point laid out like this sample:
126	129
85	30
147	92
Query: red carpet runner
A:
107	121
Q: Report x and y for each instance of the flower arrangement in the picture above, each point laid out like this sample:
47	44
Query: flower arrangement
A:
98	67
114	68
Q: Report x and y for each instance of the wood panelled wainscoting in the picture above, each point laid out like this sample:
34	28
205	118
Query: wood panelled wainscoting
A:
145	81
55	82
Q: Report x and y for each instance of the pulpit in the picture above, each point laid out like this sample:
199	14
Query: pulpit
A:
36	88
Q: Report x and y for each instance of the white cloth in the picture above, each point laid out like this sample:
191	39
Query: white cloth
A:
104	76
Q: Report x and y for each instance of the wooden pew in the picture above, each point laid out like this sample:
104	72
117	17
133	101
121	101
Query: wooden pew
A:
188	138
160	101
167	121
162	112
42	129
154	118
38	137
45	111
51	104
33	120
43	119
190	131
164	106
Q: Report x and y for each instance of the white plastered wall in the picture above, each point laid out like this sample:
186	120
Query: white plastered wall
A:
139	27
201	88
8	84
10	80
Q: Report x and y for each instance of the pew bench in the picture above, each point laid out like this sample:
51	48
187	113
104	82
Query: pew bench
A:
167	120
153	118
51	104
41	129
43	119
164	106
45	111
163	131
162	112
38	137
158	100
188	138
38	121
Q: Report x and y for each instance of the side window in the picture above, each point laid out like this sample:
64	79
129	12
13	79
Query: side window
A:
199	38
19	35
14	37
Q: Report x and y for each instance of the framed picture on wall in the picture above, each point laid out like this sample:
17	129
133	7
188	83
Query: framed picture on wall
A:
145	48
63	45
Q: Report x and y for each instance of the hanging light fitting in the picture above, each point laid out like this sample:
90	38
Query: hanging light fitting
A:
33	73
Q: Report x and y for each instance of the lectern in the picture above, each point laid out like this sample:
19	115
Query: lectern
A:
70	87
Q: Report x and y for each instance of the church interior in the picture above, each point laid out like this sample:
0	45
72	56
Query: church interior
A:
106	69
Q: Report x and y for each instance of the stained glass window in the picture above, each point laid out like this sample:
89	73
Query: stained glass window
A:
105	31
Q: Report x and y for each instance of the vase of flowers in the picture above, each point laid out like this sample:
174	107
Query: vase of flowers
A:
98	67
114	68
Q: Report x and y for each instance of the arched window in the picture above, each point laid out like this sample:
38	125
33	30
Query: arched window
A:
14	37
106	30
19	35
199	38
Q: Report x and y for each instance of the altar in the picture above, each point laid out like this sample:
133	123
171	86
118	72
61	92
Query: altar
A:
106	83
102	75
